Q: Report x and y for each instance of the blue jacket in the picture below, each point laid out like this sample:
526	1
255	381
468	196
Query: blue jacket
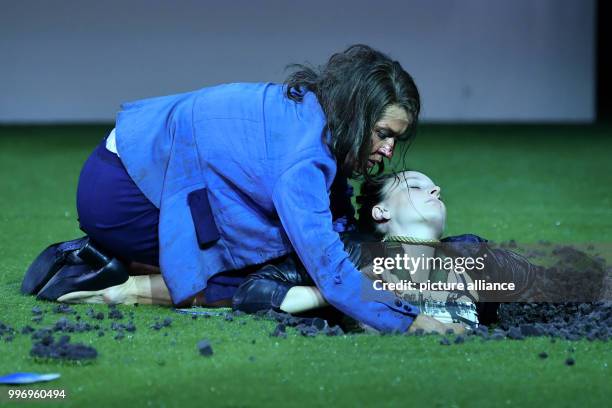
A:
262	163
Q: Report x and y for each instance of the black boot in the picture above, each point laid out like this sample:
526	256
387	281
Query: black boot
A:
49	262
70	267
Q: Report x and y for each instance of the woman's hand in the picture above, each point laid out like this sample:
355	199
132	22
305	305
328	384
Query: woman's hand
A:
430	325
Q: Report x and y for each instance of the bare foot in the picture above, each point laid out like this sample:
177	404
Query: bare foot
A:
119	294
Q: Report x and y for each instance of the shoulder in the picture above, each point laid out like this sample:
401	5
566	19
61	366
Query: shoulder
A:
241	100
295	131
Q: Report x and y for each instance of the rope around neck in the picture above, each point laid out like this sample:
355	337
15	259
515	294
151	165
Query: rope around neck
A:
411	240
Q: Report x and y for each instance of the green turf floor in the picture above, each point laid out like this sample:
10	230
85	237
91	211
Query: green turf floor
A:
527	183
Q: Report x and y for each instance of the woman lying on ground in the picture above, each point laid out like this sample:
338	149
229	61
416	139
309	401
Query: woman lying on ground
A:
399	215
401	219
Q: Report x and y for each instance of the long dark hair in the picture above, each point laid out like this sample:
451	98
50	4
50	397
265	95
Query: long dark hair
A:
354	88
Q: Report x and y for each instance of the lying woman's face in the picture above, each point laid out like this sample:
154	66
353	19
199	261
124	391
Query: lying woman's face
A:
413	197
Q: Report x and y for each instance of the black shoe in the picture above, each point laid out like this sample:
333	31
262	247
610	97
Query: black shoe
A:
49	262
73	278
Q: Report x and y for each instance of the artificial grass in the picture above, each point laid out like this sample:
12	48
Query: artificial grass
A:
527	183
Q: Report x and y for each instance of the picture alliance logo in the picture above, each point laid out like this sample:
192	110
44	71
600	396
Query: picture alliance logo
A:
412	264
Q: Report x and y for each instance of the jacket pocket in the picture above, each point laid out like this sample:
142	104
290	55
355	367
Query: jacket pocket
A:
203	220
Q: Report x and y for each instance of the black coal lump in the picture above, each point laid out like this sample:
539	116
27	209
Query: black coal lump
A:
62	349
63	308
204	348
115	313
333	331
514	333
279	331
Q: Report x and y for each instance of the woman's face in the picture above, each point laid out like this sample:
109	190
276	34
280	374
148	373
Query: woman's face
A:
394	122
413	198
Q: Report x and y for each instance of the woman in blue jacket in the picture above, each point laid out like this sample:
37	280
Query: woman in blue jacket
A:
231	176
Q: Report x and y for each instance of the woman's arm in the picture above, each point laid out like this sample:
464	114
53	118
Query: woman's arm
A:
302	203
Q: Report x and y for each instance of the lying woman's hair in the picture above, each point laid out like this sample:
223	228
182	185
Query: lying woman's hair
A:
371	193
354	88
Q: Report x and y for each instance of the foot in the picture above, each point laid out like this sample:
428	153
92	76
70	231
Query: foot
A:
114	295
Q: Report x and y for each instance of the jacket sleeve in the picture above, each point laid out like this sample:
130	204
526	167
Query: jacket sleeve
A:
302	203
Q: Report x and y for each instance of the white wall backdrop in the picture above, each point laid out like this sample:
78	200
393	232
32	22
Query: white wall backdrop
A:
473	60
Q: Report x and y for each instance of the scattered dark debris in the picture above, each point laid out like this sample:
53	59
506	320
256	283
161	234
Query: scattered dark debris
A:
120	335
515	333
130	327
41	333
481	330
157	325
37	318
569	321
333	331
36	310
115	313
27	330
205	348
498	336
307	330
93	315
167	322
306	326
63	308
279	331
543	355
62	349
6	330
444	341
570	361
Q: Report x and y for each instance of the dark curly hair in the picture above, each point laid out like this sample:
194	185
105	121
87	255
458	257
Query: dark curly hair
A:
354	88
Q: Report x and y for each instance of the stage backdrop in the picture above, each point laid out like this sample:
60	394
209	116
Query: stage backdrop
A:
473	60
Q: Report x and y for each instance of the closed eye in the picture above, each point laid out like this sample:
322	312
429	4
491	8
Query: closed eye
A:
383	135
